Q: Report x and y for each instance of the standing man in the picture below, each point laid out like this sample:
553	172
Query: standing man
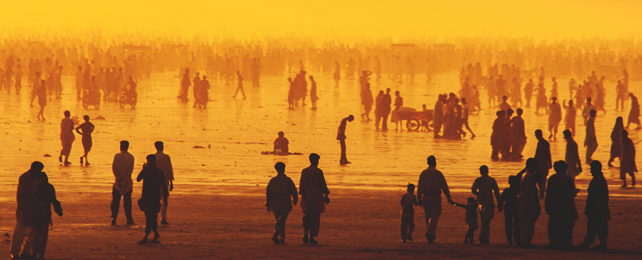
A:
590	141
385	110
66	137
314	195
597	208
27	211
560	206
153	188
572	157
627	164
484	187
341	136
279	196
554	118
517	135
543	159
122	167
164	163
430	186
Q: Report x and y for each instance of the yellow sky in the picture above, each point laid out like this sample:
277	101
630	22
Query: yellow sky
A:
372	18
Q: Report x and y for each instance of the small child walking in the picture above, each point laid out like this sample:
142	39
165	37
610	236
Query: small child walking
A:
471	219
408	201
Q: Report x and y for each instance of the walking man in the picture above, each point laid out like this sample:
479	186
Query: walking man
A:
164	163
430	186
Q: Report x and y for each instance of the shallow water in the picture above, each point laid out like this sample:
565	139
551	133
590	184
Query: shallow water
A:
233	133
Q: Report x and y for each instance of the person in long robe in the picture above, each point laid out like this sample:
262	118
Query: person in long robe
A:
85	130
634	113
517	135
122	168
314	197
543	160
554	118
378	108
627	165
616	140
429	188
528	208
66	137
341	137
560	206
569	118
385	109
590	140
154	189
185	83
496	137
366	101
597	209
279	197
313	93
438	115
572	156
485	188
164	163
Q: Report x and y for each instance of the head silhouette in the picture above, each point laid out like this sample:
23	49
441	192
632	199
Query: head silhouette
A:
314	159
67	114
350	118
124	145
538	134
567	134
281	134
86	118
513	181
151	160
560	167
411	187
520	111
36	166
432	161
483	170
279	167
531	164
160	146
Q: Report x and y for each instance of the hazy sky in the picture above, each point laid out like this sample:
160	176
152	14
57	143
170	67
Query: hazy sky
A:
382	18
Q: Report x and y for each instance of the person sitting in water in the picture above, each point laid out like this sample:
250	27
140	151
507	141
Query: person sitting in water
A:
281	144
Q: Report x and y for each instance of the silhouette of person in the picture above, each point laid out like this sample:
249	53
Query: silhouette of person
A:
528	208
279	196
150	202
464	117
517	135
314	196
504	105
41	93
337	73
313	93
26	211
560	206
281	144
627	163
122	167
498	136
185	83
484	188
616	140
590	141
366	100
196	89
85	129
341	136
378	108
543	160
429	188
571	114
597	209
239	86
509	205
572	157
385	111
164	163
438	115
46	196
471	219
634	113
66	137
408	201
554	118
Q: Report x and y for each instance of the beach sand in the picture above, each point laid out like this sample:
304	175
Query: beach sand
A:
358	224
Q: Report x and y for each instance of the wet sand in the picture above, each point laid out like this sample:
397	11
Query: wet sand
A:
356	225
224	180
